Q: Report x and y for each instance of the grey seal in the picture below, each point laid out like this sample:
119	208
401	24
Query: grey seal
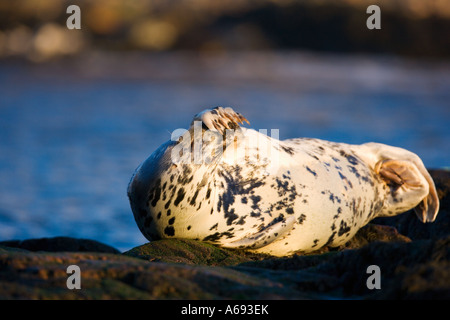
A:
254	192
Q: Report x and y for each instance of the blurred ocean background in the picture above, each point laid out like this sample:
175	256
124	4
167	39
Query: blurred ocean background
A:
81	109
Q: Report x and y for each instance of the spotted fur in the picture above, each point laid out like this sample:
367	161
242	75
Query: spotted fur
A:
316	194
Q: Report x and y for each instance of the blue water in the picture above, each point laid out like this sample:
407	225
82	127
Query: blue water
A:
71	135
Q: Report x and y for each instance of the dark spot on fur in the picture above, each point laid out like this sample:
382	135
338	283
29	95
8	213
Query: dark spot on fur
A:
255	200
241	220
369	181
332	197
301	218
316	241
289	210
155	193
280	218
330	239
344	178
349	158
170	231
343	228
187	176
287	176
172	220
214	226
192	203
217	236
235	185
354	171
219	204
311	171
230	215
333	226
288	150
352	160
180	196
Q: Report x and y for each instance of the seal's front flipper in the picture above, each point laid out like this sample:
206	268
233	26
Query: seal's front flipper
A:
275	230
410	182
219	119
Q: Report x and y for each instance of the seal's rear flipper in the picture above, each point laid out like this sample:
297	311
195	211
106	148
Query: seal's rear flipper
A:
409	182
262	238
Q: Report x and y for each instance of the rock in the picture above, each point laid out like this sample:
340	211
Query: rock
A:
58	244
373	232
31	275
397	262
201	253
416	269
191	252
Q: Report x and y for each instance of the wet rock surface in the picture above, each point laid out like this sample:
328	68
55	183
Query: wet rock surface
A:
57	244
413	259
